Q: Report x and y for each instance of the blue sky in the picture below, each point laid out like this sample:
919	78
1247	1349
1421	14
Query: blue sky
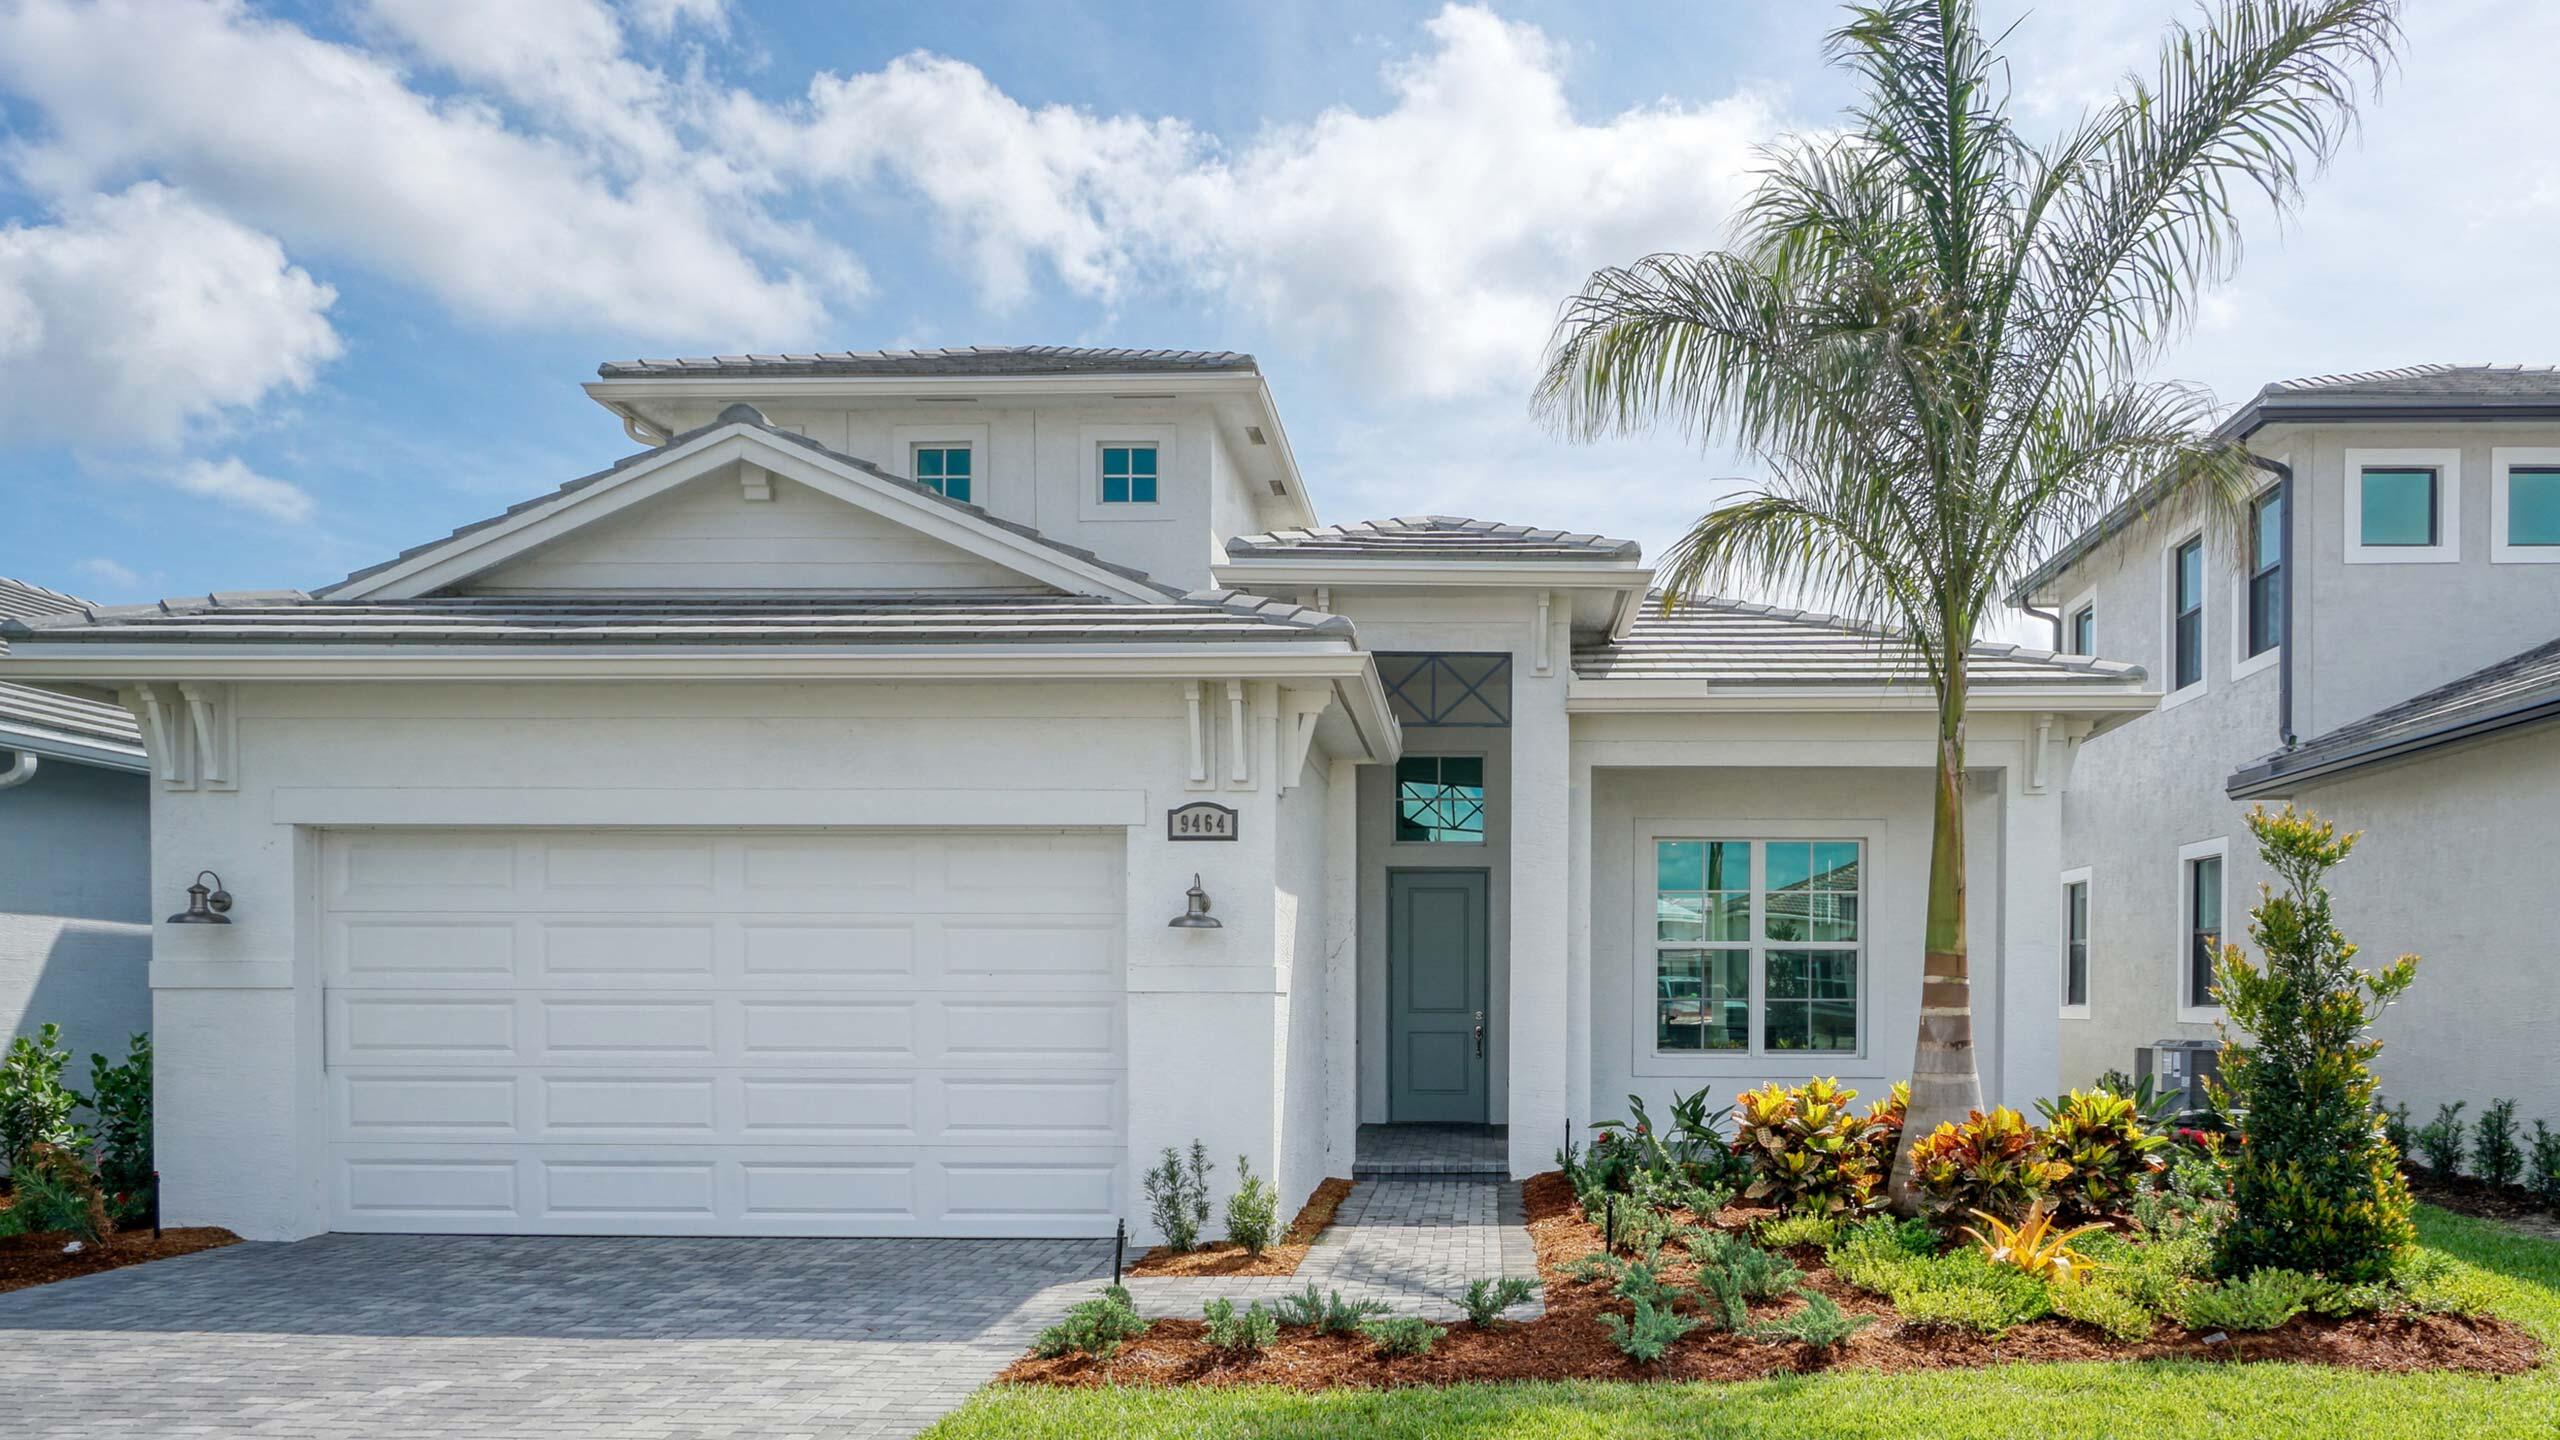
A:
294	286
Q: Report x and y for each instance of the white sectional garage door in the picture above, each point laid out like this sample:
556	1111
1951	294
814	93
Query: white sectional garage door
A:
732	1033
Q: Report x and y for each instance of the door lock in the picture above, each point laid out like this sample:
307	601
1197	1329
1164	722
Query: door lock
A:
1479	1034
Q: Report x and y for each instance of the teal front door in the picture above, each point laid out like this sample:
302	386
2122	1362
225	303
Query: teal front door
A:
1436	988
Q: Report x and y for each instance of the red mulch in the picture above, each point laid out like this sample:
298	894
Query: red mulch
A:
1569	1342
1223	1258
38	1259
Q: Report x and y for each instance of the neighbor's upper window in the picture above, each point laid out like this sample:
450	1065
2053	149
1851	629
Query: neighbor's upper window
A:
2266	573
1128	474
1757	946
2186	614
1440	800
944	469
2401	506
2533	505
2084	630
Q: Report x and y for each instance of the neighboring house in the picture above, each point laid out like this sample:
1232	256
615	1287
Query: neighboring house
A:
2389	658
790	828
75	858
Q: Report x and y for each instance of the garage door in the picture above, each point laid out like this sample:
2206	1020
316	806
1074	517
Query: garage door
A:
692	1033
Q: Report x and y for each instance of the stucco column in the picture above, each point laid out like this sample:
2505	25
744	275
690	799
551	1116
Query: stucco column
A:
1341	966
1577	1079
1541	821
2030	975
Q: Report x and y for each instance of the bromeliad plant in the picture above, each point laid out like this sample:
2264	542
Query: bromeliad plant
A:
1809	1149
2111	1154
2034	1245
1995	1162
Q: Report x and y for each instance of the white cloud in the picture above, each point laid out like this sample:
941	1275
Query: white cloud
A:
233	483
121	578
132	316
660	17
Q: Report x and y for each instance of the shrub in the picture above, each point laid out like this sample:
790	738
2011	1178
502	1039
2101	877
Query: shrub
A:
1230	1331
120	1096
1328	1315
1485	1300
1960	1289
1821	1323
1690	1151
1638	1281
35	1107
1178	1196
2496	1155
2440	1141
2316	1188
2337	1301
1786	1232
1664	1194
2542	1169
2395	1127
2431	1282
1649	1334
1762	1274
1995	1162
52	1191
1093	1327
2113	1155
1252	1212
2104	1306
2261	1300
2160	1110
1721	1301
1808	1150
1403	1336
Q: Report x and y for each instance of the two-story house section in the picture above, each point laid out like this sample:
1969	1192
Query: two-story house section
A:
2377	638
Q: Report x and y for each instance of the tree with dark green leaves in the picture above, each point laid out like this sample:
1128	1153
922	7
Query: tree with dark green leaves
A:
2315	1185
1932	331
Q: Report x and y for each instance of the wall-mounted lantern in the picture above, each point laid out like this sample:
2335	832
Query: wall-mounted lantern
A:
1197	916
208	905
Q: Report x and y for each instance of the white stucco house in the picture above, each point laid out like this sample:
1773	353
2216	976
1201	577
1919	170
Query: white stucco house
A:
777	831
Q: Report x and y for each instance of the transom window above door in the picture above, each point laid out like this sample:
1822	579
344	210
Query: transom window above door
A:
1440	800
1757	946
945	470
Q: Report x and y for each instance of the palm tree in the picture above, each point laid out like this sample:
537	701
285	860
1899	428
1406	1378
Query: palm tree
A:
1931	331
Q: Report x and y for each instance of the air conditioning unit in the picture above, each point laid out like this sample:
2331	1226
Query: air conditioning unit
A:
2180	1067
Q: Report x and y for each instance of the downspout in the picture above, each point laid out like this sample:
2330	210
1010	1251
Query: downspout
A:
20	771
2284	545
2053	618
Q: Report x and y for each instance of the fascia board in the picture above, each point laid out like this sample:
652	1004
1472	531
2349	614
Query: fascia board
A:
96	662
1594	697
1352	575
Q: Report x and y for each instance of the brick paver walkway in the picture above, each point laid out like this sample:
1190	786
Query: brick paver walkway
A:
1411	1243
377	1336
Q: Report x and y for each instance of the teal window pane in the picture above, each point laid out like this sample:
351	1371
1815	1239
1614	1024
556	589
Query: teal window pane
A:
1679	917
955	462
2399	507
1440	799
1679	864
1142	488
2190	576
1115	489
2267	529
1728	915
928	464
1729	865
1115	460
2533	506
1835	864
1813	1001
1128	474
1789	866
1701	1000
1142	460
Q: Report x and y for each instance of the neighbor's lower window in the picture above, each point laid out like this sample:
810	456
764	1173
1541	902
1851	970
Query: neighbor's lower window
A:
1440	799
2204	927
1756	946
944	470
2075	964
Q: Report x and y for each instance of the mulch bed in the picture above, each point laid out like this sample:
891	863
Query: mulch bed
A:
2466	1195
1223	1258
38	1259
1569	1342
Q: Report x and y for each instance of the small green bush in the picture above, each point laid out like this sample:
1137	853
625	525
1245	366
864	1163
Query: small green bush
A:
1485	1300
2431	1282
35	1106
1178	1196
1252	1212
2542	1168
120	1096
1786	1232
1640	1282
1404	1335
2112	1155
1808	1150
2441	1141
1230	1331
1762	1274
1650	1334
2102	1305
2261	1300
1959	1289
1721	1301
2396	1127
2338	1301
1821	1323
1328	1315
1998	1162
52	1192
1093	1327
2497	1156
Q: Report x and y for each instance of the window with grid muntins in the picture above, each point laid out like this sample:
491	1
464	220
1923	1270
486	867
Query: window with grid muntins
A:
2187	614
1757	946
1440	800
2266	573
945	470
1128	474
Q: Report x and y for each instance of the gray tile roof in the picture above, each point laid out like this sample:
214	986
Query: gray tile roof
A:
36	716
1429	537
750	416
850	621
968	360
2523	689
2487	384
1734	643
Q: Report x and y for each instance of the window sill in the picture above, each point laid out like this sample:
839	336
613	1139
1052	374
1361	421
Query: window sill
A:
2403	555
2075	1012
2181	696
2245	666
2200	1014
2524	554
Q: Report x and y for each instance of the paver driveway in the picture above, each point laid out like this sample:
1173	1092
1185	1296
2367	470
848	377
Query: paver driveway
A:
545	1338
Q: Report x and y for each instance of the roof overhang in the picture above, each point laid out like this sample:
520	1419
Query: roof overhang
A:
2277	777
1682	697
2264	411
81	750
1625	585
650	402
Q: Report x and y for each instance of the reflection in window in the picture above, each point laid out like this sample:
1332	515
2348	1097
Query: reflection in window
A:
2204	927
1440	799
944	469
1804	950
2533	505
2398	507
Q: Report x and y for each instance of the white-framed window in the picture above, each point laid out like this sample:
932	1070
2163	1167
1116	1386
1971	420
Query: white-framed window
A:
2524	501
947	469
2182	637
2075	944
2257	616
2080	627
950	458
2404	507
1129	473
1758	947
2204	922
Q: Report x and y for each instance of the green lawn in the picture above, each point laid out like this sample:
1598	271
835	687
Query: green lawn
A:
2157	1401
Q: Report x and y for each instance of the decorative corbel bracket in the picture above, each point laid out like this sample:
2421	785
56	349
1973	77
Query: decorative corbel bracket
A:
1300	710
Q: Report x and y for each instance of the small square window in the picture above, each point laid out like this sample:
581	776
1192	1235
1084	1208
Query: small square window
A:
2399	507
945	470
1128	474
1440	800
2533	505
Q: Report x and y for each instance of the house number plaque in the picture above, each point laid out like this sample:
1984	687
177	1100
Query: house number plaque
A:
1200	820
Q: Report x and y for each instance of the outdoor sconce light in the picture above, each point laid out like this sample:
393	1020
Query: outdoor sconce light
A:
212	906
1197	917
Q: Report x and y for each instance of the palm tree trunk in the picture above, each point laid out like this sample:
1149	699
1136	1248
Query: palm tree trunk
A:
1945	1085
